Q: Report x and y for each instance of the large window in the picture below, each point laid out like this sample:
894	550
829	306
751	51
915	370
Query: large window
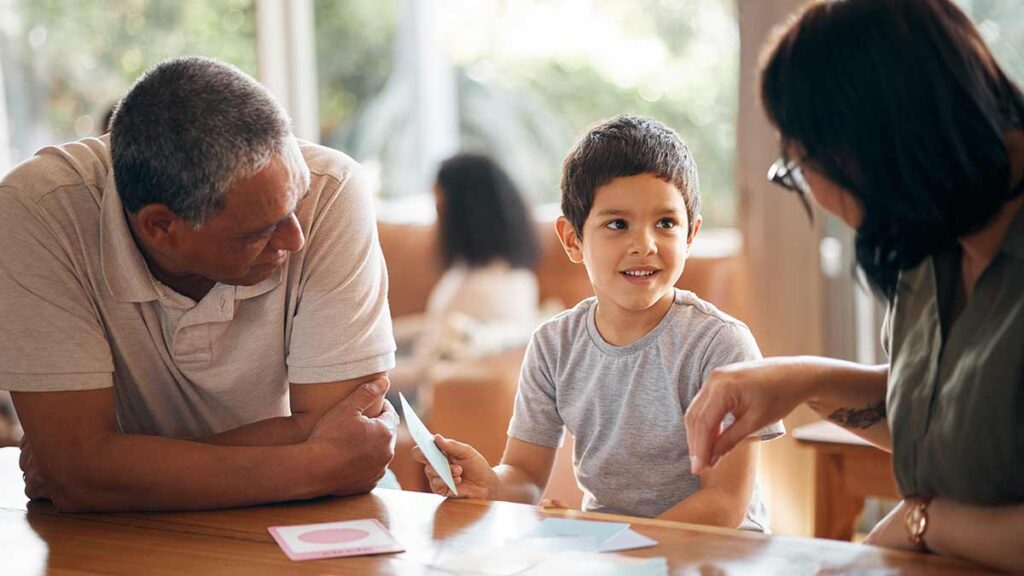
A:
65	63
405	83
1001	24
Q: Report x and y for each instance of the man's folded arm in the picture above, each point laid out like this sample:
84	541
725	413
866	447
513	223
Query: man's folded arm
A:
89	466
309	402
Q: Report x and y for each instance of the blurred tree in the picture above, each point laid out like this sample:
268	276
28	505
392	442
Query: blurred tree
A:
66	62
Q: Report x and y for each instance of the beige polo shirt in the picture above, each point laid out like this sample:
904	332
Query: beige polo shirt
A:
79	309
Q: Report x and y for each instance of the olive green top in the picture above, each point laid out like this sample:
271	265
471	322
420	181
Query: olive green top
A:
956	396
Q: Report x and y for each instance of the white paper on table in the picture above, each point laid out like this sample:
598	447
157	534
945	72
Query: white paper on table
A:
589	564
425	440
494	561
626	540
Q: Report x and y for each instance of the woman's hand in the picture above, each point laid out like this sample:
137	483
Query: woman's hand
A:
891	531
473	476
756	393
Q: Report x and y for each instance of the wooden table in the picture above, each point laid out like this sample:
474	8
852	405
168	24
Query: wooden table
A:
35	539
847	470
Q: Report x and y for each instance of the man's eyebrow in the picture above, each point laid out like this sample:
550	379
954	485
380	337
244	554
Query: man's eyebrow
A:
274	224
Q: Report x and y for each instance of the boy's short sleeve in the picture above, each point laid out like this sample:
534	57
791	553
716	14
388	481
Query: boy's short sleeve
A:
734	343
535	418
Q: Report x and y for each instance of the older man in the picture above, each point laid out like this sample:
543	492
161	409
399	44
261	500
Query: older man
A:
194	311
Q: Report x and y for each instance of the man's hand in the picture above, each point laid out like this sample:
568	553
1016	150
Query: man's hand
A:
356	439
473	476
35	482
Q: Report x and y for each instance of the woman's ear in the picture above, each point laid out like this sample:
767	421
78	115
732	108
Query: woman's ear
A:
571	242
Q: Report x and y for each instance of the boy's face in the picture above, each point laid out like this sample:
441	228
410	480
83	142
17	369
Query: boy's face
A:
634	242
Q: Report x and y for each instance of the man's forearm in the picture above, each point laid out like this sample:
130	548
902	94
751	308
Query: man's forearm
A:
989	535
853	396
709	506
131	472
282	431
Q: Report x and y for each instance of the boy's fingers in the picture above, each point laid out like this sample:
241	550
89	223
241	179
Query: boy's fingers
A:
453	449
438	486
456	470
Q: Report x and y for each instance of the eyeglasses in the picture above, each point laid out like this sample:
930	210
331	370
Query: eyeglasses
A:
787	173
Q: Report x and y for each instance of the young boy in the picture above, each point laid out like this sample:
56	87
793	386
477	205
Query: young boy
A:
619	370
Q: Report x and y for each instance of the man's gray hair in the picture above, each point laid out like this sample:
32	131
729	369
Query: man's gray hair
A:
188	130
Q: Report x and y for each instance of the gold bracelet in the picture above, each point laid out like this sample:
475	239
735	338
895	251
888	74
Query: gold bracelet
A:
916	521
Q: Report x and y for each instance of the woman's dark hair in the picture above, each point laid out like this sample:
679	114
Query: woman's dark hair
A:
484	218
901	103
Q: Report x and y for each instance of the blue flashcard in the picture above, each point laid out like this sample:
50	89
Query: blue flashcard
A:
599	532
425	440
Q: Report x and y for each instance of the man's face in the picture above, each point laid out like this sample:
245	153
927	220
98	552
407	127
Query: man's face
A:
251	237
635	242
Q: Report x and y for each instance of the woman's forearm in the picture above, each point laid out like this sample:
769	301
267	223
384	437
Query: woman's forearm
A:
851	395
989	535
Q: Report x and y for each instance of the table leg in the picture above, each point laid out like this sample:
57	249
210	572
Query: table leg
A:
835	510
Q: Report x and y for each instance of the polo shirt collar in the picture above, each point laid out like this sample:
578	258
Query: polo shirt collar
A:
124	269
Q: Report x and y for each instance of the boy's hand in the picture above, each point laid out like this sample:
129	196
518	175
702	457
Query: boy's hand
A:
473	476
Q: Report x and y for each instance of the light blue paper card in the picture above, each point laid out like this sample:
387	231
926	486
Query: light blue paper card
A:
425	440
553	543
588	564
599	532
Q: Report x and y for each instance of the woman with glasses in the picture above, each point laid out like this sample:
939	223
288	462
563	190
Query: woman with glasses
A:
895	117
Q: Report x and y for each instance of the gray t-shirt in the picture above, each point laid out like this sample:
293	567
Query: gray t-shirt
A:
625	405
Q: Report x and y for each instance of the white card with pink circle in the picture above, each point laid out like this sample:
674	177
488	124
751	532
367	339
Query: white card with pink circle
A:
335	539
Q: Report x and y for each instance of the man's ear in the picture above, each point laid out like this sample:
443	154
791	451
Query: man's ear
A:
571	242
158	226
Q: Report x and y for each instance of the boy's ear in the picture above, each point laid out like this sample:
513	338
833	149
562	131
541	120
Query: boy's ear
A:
696	228
571	242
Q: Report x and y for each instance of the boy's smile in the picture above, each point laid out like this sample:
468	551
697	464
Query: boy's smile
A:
634	246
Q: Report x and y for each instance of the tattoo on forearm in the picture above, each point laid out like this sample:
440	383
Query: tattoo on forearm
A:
860	417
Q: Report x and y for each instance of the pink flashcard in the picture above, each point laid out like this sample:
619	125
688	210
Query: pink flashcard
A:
335	539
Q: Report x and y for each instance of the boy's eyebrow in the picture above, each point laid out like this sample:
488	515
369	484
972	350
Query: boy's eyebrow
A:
623	212
613	212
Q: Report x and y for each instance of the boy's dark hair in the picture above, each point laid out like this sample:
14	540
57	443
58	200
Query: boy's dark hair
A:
900	103
484	219
626	146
